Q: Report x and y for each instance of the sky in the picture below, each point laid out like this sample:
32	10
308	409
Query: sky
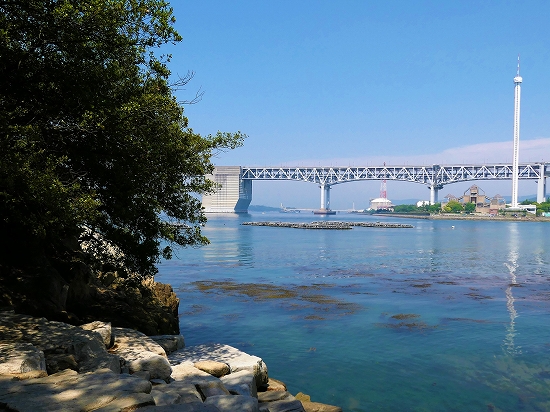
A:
360	83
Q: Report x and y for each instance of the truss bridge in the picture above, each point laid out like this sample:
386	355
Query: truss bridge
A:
435	177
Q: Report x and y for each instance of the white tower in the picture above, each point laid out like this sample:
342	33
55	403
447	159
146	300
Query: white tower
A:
515	170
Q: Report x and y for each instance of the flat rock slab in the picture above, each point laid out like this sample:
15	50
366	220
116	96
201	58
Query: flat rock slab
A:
234	403
185	407
236	359
282	406
69	391
320	407
170	343
209	389
130	340
273	396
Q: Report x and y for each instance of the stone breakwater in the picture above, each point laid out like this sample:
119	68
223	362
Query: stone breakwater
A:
329	225
53	366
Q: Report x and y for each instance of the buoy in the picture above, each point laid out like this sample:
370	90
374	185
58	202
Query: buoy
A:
452	227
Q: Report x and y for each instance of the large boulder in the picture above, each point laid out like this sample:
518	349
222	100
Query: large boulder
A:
186	372
176	393
104	330
233	357
141	353
130	340
69	391
85	349
20	358
170	343
241	383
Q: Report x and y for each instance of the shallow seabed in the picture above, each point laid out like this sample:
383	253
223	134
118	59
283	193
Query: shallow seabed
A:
432	318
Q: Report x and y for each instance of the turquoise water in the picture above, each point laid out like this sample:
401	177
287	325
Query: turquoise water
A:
432	318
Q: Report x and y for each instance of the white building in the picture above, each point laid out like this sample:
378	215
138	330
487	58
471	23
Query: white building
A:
381	203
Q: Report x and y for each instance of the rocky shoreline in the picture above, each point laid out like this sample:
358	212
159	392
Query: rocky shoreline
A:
330	225
48	365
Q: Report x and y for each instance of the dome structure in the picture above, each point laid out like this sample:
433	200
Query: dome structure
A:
381	203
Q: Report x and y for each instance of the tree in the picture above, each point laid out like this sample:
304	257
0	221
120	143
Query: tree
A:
93	143
469	207
453	207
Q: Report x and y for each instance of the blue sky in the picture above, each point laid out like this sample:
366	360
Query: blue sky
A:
356	83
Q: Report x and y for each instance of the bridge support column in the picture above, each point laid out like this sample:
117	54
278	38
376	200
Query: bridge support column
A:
434	191
541	185
325	196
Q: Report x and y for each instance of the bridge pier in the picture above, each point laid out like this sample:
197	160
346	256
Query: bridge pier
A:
434	194
325	197
541	185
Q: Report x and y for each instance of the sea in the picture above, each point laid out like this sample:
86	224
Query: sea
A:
449	315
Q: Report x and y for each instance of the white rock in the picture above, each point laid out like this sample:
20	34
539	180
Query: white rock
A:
131	340
69	391
234	403
240	383
236	359
20	357
211	388
141	353
186	407
103	328
187	392
157	366
282	406
170	343
165	398
59	338
187	372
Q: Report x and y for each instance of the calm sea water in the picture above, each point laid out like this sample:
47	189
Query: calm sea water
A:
432	318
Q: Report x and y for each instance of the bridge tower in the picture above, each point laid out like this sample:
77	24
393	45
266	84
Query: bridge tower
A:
515	168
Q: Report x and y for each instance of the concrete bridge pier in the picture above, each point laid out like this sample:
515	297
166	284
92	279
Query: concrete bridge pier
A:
434	194
325	197
541	185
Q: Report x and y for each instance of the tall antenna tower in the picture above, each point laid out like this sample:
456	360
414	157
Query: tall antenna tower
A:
515	165
383	190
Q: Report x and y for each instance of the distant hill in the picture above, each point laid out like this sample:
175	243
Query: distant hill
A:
261	208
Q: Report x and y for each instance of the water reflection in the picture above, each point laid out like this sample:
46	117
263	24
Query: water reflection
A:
512	265
230	245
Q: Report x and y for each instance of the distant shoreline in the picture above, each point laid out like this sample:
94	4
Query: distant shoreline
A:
466	217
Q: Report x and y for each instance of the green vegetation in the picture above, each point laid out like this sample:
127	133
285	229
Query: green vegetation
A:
93	143
543	207
413	209
453	207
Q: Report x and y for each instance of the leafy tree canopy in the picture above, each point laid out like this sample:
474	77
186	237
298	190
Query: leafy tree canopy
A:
469	207
453	207
93	143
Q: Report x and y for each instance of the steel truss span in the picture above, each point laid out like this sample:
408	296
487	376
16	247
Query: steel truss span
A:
435	175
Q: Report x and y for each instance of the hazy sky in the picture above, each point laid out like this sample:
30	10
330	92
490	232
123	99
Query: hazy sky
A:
357	83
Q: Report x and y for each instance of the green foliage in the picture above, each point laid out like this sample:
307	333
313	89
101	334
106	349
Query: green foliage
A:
453	207
91	135
469	207
405	208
